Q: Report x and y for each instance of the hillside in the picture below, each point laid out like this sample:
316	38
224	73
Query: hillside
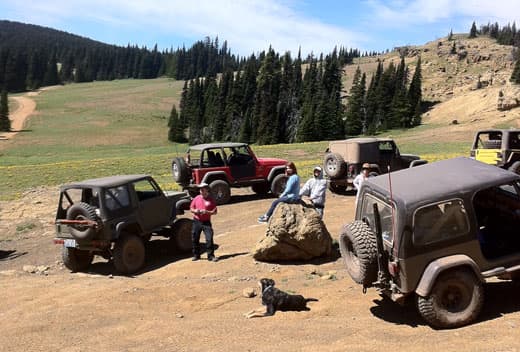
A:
450	83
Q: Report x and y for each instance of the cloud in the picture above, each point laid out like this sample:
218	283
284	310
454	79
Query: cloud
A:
248	26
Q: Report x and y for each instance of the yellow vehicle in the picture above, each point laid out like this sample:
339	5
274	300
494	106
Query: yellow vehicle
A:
498	147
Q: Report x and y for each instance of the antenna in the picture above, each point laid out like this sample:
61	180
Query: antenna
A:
392	203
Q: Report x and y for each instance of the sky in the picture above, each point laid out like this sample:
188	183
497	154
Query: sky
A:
250	26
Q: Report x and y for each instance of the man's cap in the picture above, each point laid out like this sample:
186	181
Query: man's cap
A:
317	168
203	185
366	166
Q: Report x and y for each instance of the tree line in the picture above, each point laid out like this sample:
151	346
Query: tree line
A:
33	56
278	99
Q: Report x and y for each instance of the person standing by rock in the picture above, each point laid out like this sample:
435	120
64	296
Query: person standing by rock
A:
203	207
315	188
291	194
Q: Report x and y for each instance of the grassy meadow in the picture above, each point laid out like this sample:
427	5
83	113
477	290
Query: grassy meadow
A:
120	127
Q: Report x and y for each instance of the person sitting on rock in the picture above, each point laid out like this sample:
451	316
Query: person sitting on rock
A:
315	188
291	194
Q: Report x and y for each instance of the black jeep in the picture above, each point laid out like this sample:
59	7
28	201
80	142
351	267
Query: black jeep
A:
114	216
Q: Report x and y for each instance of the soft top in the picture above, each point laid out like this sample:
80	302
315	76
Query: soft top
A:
109	181
216	145
363	140
440	180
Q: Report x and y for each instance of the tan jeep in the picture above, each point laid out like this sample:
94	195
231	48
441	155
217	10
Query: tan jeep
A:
344	158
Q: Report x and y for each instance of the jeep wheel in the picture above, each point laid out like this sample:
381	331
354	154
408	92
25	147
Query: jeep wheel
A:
338	189
76	259
220	191
82	211
456	299
335	166
260	188
180	171
180	236
515	167
278	184
129	254
358	247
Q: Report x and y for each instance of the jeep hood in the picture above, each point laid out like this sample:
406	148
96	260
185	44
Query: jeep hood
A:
271	161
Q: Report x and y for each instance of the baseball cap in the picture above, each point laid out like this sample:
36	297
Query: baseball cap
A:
365	166
203	185
317	168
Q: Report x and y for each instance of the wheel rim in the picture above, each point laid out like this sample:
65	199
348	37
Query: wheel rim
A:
331	166
455	297
175	170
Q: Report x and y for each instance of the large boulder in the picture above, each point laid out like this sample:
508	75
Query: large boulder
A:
294	232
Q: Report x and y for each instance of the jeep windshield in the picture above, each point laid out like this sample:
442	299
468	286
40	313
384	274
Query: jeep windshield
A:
385	214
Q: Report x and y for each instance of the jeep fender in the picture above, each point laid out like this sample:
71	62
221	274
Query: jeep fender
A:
418	162
214	175
122	226
275	171
435	268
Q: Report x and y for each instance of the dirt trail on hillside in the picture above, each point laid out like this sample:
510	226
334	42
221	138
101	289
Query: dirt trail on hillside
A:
26	107
175	304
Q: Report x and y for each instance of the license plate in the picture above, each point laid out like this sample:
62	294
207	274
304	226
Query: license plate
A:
70	243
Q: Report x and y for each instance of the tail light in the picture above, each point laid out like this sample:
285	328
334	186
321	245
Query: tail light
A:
393	268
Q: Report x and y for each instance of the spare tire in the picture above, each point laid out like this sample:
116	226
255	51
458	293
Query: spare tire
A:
335	166
358	247
180	171
83	211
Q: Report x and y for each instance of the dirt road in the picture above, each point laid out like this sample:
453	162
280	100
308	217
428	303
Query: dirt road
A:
175	304
18	117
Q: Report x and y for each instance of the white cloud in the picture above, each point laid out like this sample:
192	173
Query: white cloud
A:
248	26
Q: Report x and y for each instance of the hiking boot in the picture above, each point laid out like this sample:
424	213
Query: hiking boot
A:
263	219
213	259
195	258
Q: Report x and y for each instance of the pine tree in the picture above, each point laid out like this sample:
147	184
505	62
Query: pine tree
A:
5	123
450	36
175	129
415	93
266	99
354	117
515	76
473	31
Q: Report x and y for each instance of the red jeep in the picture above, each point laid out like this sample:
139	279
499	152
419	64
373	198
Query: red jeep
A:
226	165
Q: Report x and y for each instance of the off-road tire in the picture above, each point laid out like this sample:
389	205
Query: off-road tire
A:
220	191
337	189
358	247
180	236
515	167
75	259
180	171
335	166
455	300
129	254
83	211
278	184
260	188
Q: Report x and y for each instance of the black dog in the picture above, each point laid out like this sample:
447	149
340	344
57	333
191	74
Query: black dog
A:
274	299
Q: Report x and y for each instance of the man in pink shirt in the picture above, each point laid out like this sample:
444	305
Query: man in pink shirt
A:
202	207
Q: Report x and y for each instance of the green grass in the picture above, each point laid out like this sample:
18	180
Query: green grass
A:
99	129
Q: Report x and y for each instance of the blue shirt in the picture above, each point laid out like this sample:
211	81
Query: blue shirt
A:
292	188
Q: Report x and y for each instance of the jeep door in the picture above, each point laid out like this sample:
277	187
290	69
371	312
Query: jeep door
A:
154	209
241	163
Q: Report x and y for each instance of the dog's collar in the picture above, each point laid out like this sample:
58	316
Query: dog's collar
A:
267	288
